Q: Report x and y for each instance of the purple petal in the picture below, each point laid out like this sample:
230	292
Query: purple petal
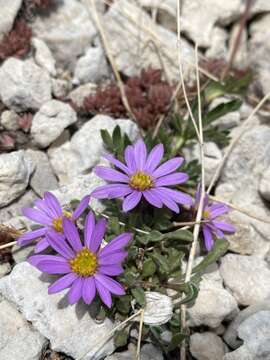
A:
110	284
54	267
222	225
112	258
72	234
118	163
41	205
104	294
132	200
75	292
62	283
130	159
176	196
218	210
30	236
154	158
111	191
37	216
98	235
118	243
36	259
140	154
152	197
89	227
168	167
111	270
208	238
41	245
109	174
59	244
172	179
88	290
81	207
53	203
167	200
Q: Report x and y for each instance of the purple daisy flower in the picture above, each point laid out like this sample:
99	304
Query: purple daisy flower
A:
213	227
49	213
142	176
87	268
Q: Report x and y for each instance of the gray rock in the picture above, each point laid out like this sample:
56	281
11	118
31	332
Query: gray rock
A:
247	277
67	31
82	185
264	187
199	18
70	329
207	346
15	208
212	159
255	332
43	56
50	121
259	51
231	334
15	172
129	29
213	304
8	14
60	88
218	47
86	147
18	339
43	178
241	59
91	67
9	120
5	268
78	95
24	85
242	170
148	352
22	253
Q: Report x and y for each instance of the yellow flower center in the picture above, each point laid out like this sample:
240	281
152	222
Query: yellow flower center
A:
206	214
58	223
141	181
85	263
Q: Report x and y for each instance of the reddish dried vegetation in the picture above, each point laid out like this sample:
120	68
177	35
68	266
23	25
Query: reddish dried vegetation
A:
43	4
17	42
148	96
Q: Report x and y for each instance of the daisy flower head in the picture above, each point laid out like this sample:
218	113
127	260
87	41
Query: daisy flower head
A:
213	227
142	176
86	268
48	213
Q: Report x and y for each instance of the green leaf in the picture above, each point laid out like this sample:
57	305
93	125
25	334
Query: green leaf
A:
123	304
220	248
139	296
107	139
191	291
149	268
161	261
176	340
120	338
116	136
179	234
221	110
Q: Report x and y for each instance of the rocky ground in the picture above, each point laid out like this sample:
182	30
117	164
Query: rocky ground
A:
46	143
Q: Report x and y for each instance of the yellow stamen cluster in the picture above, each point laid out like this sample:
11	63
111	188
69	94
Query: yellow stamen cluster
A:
58	223
141	181
206	214
85	263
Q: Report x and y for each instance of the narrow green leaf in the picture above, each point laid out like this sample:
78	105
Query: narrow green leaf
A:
179	234
177	339
139	296
221	110
106	137
220	248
